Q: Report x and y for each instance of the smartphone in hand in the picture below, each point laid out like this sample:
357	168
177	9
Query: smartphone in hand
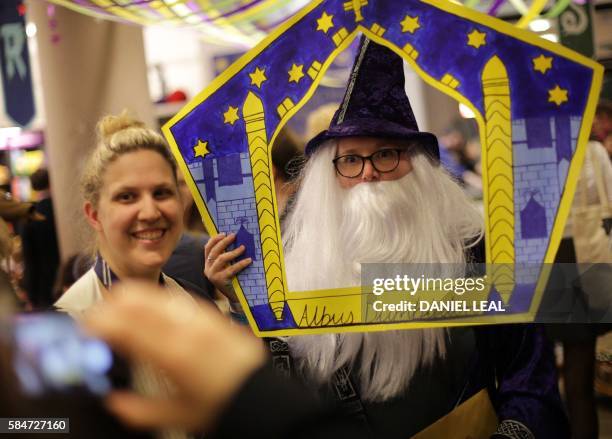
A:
51	355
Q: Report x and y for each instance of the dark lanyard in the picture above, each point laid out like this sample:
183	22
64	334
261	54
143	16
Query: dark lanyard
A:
107	276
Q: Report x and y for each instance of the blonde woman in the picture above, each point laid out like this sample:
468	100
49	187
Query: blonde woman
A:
133	204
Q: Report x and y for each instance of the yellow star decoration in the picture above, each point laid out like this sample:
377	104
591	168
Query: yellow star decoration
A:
410	24
476	39
542	63
231	115
557	95
201	149
258	76
325	22
296	73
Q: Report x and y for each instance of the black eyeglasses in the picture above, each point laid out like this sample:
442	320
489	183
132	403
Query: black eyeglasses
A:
384	160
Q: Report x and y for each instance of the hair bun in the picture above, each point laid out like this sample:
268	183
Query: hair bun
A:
111	124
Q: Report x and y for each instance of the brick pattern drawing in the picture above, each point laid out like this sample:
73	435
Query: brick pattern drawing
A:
234	211
542	149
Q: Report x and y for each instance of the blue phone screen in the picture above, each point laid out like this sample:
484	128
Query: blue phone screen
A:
54	355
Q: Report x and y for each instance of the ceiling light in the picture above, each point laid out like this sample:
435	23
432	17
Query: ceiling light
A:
30	30
466	112
539	25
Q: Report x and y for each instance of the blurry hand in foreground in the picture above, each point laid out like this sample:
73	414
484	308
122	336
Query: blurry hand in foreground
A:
205	357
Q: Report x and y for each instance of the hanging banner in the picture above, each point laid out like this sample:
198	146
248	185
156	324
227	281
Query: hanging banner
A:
576	28
15	63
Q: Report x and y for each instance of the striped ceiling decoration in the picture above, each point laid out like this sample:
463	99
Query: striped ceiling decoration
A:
243	22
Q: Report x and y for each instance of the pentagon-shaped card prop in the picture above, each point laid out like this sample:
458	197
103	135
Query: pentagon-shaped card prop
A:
534	103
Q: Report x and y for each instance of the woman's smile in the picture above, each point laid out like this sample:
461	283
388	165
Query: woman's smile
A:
149	234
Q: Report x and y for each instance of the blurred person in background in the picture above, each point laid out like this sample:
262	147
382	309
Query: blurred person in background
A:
608	145
579	336
40	246
461	157
8	297
318	120
602	123
10	209
14	215
287	158
70	271
5	179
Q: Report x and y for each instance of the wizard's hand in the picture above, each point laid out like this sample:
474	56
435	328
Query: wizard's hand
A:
219	266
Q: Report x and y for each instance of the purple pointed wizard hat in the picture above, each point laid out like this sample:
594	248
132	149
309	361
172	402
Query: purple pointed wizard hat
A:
375	103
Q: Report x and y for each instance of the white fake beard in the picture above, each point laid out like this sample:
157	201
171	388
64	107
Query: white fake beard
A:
331	231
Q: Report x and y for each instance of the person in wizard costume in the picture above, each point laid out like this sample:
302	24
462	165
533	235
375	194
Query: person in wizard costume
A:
373	191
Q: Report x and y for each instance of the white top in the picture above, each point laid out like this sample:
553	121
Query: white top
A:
85	293
596	156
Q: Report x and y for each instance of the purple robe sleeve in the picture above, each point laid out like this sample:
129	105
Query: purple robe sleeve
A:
526	394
